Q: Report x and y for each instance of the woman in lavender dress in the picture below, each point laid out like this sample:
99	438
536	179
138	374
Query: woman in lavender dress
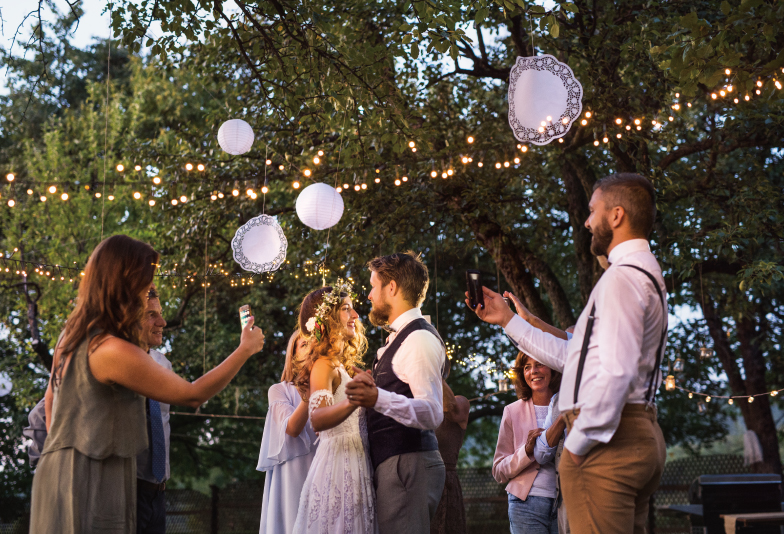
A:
287	447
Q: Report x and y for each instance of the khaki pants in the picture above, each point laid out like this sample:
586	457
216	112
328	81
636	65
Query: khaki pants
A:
609	492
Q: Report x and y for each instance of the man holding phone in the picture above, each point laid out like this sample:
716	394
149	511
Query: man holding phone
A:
615	449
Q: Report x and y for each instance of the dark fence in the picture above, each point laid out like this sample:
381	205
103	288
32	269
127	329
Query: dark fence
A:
236	508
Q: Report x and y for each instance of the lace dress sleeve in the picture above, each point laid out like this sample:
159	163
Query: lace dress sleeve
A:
319	396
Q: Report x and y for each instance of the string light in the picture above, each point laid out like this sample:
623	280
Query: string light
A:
11	203
200	167
151	202
157	180
470	139
295	185
52	189
10	177
120	167
306	172
64	196
183	199
43	198
137	168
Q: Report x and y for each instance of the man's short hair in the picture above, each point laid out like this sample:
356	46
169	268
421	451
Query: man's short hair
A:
635	194
407	270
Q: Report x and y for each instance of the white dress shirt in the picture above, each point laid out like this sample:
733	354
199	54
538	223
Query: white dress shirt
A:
144	458
622	350
418	362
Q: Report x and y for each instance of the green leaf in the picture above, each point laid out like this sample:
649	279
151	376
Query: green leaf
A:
481	15
555	29
407	38
414	51
537	9
405	27
726	8
453	52
568	6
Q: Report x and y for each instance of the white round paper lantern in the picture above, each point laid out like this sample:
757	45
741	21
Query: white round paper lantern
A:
319	206
235	137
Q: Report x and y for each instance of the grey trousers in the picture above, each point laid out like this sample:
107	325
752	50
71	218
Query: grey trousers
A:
408	490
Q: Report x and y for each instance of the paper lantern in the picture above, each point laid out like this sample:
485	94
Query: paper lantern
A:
259	245
235	137
319	206
545	99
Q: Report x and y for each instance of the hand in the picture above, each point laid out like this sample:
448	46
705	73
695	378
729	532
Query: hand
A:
531	441
359	393
578	460
251	339
365	377
495	311
522	311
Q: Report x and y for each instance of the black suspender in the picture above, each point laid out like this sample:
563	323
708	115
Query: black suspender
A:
659	352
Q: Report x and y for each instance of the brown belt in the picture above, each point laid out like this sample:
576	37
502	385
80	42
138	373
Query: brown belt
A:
629	410
149	486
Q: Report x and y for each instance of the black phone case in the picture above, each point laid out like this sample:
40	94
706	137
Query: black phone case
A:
475	294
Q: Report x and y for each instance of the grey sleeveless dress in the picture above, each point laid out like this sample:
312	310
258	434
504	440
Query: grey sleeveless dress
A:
86	479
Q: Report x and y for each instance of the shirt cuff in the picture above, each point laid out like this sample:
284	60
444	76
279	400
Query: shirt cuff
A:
578	443
383	401
516	328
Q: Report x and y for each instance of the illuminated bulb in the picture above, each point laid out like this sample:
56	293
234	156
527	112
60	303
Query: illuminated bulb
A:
11	203
137	168
183	199
676	107
120	168
110	197
200	166
729	88
156	180
306	172
397	182
364	186
52	189
618	136
64	196
188	167
464	160
691	395
605	140
735	100
29	191
413	149
10	177
677	95
708	398
137	195
758	92
345	186
265	189
235	193
517	161
316	160
549	118
751	399
524	149
565	120
722	93
339	189
378	171
174	202
356	187
320	152
449	172
777	84
727	72
560	140
412	144
541	129
543	123
97	195
249	192
470	139
152	202
587	114
774	393
759	83
714	96
583	122
628	127
254	196
295	185
618	121
378	180
497	165
213	197
480	164
281	167
688	104
654	123
444	175
433	174
405	179
672	119
596	143
730	401
220	195
639	127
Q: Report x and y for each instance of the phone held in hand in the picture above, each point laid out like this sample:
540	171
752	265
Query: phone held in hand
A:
244	315
475	294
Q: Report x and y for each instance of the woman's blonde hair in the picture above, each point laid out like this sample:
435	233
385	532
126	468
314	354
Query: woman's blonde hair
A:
291	358
332	339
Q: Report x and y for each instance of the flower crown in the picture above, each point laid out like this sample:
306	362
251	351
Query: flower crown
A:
316	325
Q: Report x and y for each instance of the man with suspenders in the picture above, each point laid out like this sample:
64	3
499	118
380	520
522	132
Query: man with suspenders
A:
615	451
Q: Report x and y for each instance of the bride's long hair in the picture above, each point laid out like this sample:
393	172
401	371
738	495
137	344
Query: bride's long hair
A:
335	346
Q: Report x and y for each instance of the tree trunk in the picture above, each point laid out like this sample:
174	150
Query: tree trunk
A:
39	345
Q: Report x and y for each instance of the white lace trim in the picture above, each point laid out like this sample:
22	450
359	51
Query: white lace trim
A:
317	397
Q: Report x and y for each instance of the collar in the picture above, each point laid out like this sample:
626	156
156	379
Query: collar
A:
628	247
405	318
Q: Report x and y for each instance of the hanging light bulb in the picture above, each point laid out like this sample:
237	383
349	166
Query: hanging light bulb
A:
10	177
183	199
137	168
433	174
174	202
110	197
678	366
397	182
200	166
156	180
188	166
412	144
524	149
151	202
235	192
669	383
377	180
708	398
120	168
605	140
596	143
316	160
295	185
64	196
405	179
706	353
306	172
52	189
97	195
265	189
11	203
29	191
480	164
470	139
517	161
137	195
730	401
220	194
618	121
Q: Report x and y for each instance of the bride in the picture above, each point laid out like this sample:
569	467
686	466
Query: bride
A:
338	492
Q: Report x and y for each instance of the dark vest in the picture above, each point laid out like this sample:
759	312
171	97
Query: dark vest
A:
388	437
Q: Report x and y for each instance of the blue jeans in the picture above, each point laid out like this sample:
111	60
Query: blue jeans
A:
535	515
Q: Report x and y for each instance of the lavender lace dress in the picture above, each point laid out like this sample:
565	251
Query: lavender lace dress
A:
338	492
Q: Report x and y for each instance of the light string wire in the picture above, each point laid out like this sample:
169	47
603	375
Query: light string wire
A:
106	122
335	186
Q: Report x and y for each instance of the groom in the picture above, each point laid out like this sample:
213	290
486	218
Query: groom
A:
404	398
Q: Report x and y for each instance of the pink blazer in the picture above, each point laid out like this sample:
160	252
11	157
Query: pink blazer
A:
511	465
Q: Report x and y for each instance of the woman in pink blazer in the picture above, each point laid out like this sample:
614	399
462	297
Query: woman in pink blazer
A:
531	487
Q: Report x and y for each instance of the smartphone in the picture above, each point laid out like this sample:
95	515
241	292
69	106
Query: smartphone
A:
244	315
476	295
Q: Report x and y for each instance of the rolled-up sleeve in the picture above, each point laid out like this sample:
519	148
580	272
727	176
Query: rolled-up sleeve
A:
541	346
543	453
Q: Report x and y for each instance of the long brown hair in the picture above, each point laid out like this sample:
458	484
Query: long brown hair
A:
329	347
522	389
111	298
291	357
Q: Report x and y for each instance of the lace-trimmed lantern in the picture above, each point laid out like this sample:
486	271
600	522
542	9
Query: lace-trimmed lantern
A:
544	99
259	245
235	137
319	206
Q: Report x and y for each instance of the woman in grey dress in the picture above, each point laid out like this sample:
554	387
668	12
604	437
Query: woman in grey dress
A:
95	410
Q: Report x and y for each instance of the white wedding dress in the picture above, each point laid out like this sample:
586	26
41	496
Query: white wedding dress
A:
338	494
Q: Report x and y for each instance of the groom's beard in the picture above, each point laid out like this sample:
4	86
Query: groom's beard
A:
601	239
379	313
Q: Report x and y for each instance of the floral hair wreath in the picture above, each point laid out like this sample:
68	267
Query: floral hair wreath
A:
316	326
